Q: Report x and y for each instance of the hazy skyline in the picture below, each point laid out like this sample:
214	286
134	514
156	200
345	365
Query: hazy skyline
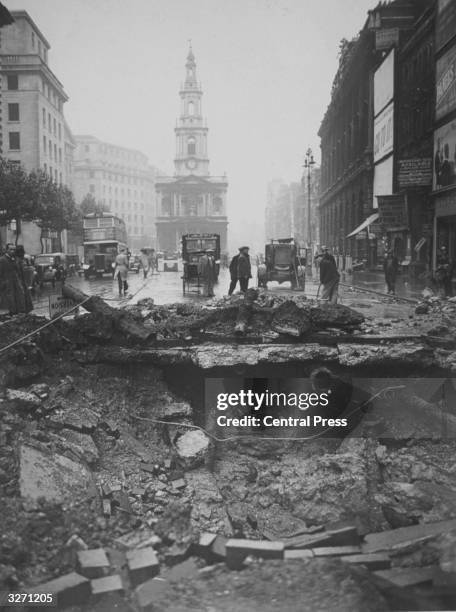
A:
266	69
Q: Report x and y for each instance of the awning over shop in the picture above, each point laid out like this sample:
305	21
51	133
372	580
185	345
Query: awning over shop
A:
364	224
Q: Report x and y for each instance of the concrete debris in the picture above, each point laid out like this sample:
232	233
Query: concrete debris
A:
142	564
70	589
373	561
107	585
52	477
406	577
192	448
405	536
23	400
238	550
93	563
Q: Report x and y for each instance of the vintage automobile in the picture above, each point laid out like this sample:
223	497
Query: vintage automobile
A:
284	261
50	267
171	261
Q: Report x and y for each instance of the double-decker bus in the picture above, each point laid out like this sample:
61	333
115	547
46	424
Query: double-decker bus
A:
104	236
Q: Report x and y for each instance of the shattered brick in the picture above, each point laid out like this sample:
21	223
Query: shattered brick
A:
179	484
142	564
93	563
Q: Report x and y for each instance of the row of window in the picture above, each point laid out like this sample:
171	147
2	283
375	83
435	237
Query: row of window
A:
12	84
113	151
53	173
122	205
118	178
51	124
51	150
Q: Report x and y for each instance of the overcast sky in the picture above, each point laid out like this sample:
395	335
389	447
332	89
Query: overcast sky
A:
266	67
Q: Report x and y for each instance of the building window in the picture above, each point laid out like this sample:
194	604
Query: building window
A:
60	155
33	39
12	81
44	144
191	109
39	47
92	188
191	146
50	150
45	168
60	132
55	127
49	121
13	112
14	141
44	117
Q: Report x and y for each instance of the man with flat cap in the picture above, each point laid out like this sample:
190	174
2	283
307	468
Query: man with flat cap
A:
240	270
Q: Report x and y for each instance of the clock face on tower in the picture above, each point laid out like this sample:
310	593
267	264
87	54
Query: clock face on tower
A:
191	163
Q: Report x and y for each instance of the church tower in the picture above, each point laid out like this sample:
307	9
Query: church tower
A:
192	201
191	131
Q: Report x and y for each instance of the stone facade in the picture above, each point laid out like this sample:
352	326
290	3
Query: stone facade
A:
122	180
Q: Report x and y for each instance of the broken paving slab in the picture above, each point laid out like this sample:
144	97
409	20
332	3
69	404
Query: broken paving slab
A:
93	563
107	585
373	561
402	354
396	539
238	550
52	476
142	564
70	589
335	551
409	576
219	355
305	553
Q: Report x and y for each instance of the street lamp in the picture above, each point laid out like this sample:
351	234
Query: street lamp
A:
308	163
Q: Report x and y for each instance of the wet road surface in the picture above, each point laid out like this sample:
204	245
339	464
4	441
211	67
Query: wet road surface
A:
166	287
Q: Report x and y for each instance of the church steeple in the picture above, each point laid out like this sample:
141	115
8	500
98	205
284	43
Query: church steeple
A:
191	133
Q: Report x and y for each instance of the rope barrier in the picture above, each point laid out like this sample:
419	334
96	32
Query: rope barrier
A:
256	437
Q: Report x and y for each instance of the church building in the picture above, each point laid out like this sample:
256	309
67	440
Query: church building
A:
191	202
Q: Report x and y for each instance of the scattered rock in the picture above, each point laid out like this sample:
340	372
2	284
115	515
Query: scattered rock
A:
192	448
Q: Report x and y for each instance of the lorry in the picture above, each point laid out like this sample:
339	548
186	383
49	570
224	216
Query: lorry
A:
284	261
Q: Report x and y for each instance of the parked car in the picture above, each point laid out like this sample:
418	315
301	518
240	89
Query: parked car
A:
170	262
50	267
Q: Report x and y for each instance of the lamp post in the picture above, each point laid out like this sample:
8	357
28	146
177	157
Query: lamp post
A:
308	163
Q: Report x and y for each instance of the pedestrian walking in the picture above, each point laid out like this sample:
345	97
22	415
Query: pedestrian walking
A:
121	271
14	293
329	276
390	268
153	261
207	272
144	263
444	273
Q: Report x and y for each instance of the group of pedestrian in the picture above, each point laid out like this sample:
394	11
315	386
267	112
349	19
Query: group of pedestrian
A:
240	270
14	280
149	262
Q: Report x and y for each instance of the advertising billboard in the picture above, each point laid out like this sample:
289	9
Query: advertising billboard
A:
383	179
414	172
444	169
384	133
445	88
384	83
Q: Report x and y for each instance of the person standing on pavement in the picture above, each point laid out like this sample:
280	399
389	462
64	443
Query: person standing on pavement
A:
390	267
14	293
244	269
145	263
153	263
233	273
206	271
121	272
444	273
329	276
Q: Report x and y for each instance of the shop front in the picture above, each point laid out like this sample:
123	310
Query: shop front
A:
445	224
